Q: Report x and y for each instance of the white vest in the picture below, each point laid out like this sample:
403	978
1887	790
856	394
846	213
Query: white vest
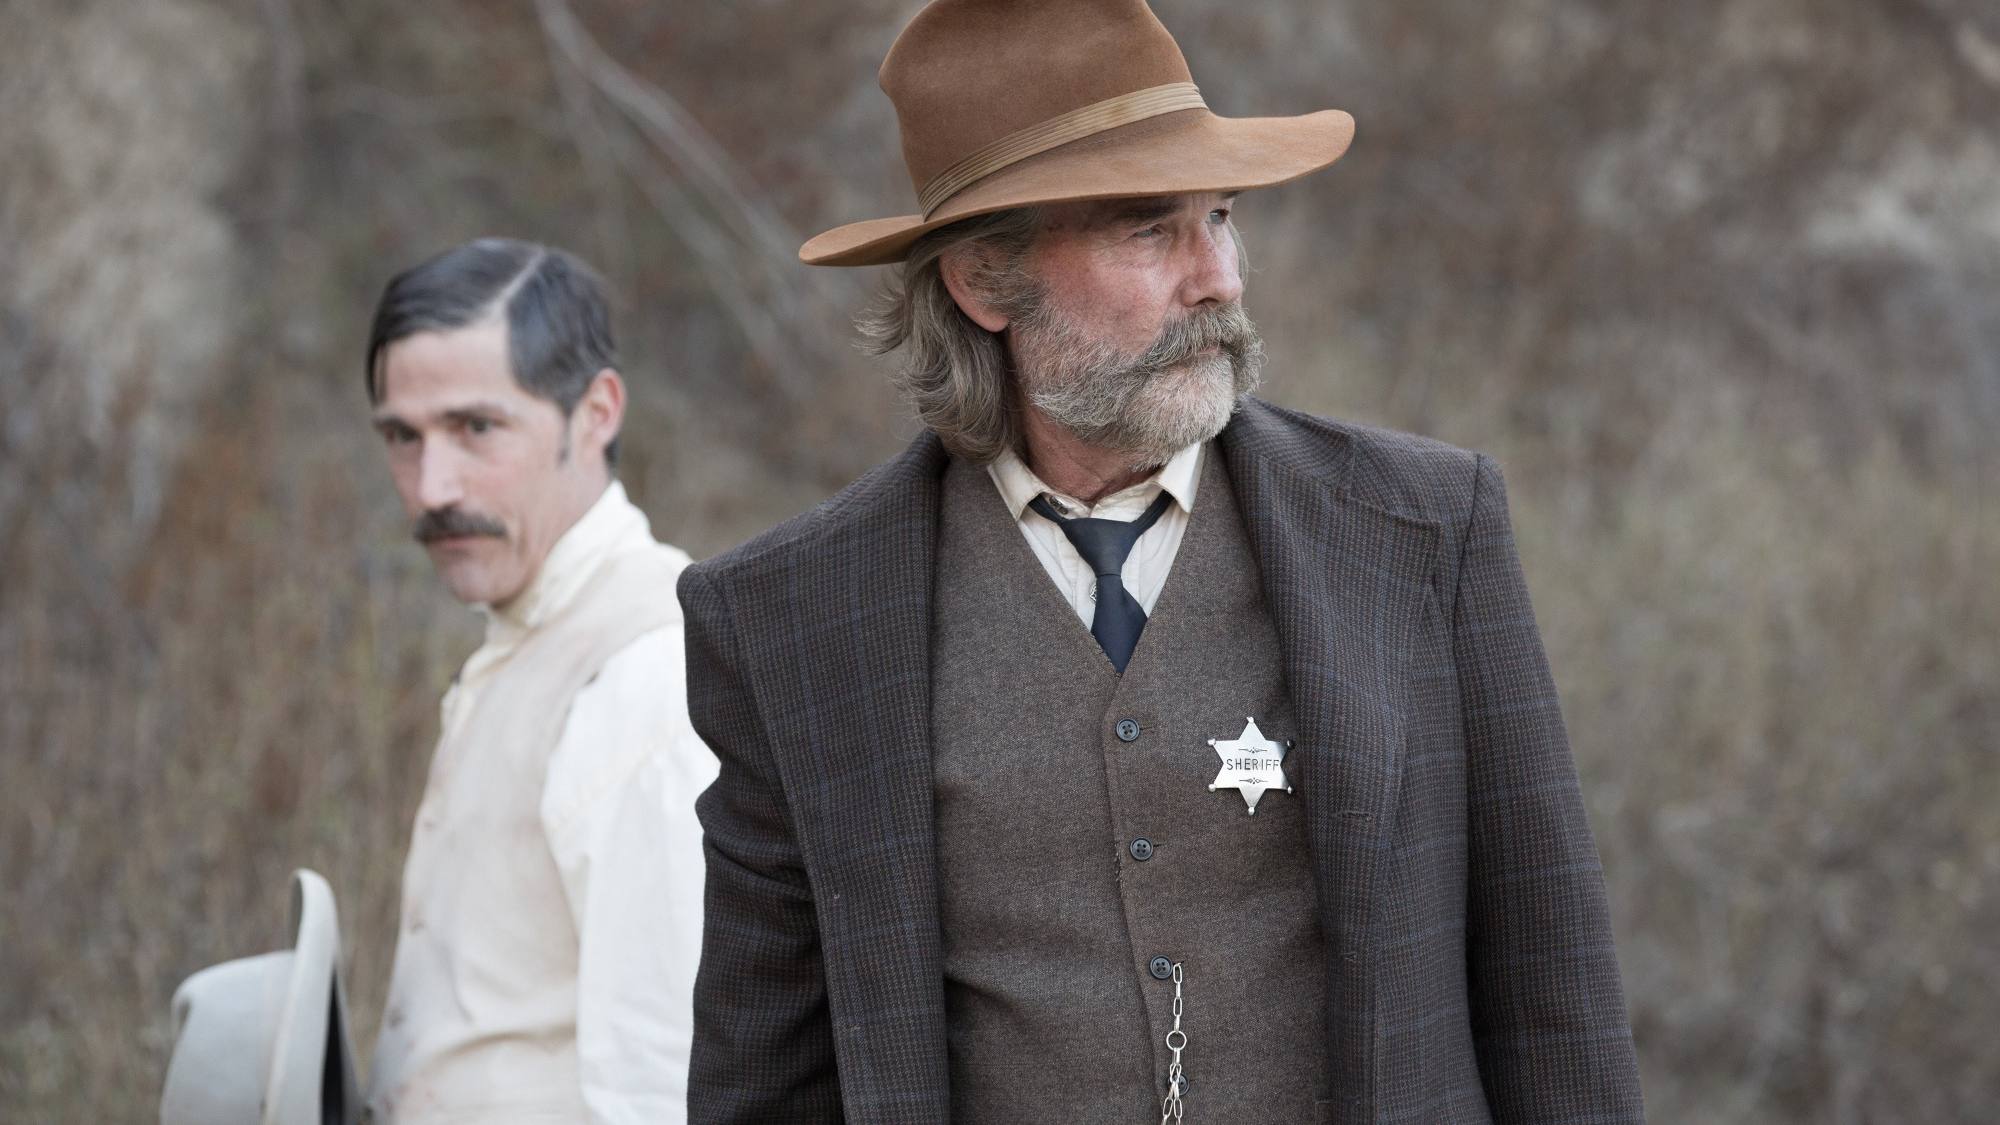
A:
485	1030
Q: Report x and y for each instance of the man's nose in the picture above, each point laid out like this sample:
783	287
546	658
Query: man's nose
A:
439	482
1213	277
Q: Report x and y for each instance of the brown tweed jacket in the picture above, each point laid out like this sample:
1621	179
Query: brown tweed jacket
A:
1470	974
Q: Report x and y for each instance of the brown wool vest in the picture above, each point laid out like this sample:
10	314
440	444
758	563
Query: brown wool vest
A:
1050	922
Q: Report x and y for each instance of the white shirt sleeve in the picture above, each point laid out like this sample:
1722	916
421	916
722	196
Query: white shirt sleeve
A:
618	809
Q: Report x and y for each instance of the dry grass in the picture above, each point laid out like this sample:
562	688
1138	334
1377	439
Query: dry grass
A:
1713	281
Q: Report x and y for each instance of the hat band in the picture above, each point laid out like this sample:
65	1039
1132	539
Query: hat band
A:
1059	130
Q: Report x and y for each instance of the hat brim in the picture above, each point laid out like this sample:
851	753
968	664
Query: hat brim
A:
312	1034
254	1037
1173	154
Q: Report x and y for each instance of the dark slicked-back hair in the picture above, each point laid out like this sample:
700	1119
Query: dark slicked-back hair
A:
558	325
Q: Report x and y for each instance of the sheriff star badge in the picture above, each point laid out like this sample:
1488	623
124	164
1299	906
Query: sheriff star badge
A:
1251	764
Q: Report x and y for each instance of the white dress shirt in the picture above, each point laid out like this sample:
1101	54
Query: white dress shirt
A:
617	807
1145	570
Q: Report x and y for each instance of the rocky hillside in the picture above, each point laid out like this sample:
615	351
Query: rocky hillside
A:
1717	281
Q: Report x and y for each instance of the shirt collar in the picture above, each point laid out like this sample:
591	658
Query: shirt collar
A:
610	522
1018	485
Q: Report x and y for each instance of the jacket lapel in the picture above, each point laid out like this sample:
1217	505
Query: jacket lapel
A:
1344	582
866	813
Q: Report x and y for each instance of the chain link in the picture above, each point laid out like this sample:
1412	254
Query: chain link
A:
1170	1106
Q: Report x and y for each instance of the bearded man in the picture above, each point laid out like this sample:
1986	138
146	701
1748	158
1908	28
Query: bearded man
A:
1129	748
544	968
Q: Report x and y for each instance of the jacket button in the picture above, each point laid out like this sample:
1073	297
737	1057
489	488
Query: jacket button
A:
1161	968
1142	849
1128	729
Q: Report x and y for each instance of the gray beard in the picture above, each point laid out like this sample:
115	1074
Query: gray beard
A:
1146	407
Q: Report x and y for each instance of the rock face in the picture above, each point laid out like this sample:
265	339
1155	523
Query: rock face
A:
124	287
1716	281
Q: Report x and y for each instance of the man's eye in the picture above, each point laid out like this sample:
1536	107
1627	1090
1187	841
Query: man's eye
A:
1154	231
478	425
397	435
1219	216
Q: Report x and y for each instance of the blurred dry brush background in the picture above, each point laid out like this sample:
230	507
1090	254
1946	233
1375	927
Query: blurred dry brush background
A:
1717	281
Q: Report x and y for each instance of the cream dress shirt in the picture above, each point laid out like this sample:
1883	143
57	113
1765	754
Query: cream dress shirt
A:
618	810
1145	569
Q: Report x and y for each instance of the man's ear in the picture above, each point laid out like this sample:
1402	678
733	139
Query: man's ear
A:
959	266
600	413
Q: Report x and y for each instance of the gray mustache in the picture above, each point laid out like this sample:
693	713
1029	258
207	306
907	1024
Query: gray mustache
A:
1228	328
453	523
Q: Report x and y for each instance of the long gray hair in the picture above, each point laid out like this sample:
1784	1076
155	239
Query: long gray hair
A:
955	373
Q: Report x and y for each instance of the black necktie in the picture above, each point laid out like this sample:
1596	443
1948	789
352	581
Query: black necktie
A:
1104	545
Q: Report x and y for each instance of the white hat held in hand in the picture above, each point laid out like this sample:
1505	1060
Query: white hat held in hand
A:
263	1040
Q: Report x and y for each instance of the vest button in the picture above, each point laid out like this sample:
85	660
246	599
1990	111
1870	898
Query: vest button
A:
1142	849
1128	730
1161	968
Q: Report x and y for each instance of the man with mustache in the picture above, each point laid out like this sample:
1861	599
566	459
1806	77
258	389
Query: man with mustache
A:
551	911
1129	748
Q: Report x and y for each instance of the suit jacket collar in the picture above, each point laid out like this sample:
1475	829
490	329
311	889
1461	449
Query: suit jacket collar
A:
1345	584
861	791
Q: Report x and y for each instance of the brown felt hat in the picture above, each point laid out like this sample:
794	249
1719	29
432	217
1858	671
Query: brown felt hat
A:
1007	103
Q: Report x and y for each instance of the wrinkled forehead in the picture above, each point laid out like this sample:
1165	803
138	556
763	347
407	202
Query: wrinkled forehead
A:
1099	214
